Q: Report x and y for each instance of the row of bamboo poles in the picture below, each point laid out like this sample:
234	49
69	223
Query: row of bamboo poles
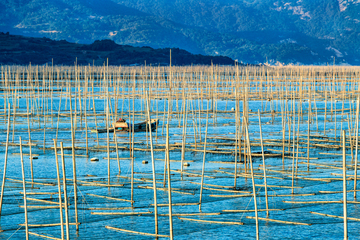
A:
314	112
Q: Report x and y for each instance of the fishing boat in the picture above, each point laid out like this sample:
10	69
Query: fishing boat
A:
122	125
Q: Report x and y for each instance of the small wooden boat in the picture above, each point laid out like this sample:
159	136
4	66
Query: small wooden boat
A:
122	125
138	127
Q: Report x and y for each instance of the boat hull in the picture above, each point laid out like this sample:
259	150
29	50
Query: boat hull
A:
138	127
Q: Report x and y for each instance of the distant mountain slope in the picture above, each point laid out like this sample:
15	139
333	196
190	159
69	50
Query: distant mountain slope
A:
23	50
288	31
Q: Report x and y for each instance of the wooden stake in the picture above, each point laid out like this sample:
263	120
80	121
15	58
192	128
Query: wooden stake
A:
356	146
237	128
279	221
344	187
204	157
153	167
169	182
42	236
74	171
184	134
293	150
65	192
24	190
308	137
5	159
30	148
135	232
264	165
59	189
252	178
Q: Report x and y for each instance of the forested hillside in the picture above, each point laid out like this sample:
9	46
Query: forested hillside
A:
252	31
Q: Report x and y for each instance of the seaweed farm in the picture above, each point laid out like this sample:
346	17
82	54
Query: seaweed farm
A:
239	152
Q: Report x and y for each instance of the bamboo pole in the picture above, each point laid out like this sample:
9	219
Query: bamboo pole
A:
191	214
313	202
14	117
58	120
167	150
74	179
252	178
169	181
117	151
283	136
44	116
344	187
94	109
43	236
65	192
208	221
335	121
72	124
5	159
297	136
279	221
121	213
59	189
334	216
132	143
237	118
356	146
184	133
24	191
204	157
325	112
106	197
293	150
264	166
30	148
85	116
44	225
308	136
44	184
136	232
152	165
251	210
108	136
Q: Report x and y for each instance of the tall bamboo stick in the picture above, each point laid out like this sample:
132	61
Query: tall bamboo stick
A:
264	166
74	161
293	150
237	118
108	137
65	192
357	145
59	189
308	138
252	179
153	166
169	181
184	134
204	157
30	148
24	190
344	188
5	159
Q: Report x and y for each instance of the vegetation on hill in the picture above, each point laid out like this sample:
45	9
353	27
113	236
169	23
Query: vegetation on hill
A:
23	50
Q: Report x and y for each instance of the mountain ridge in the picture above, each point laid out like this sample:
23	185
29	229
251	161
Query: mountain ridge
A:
252	31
